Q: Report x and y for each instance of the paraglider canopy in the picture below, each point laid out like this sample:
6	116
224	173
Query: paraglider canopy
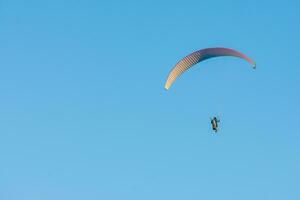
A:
198	56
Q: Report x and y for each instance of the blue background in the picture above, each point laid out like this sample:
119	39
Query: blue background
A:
84	115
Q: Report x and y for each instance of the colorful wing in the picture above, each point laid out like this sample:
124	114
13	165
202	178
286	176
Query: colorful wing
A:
198	56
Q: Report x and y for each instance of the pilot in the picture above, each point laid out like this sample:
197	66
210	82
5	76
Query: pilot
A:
214	123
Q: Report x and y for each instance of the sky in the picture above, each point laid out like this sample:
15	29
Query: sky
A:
84	113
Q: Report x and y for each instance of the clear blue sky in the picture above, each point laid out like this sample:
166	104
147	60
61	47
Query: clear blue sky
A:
84	115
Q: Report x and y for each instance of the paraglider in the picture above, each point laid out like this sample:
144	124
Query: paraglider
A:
214	123
198	56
